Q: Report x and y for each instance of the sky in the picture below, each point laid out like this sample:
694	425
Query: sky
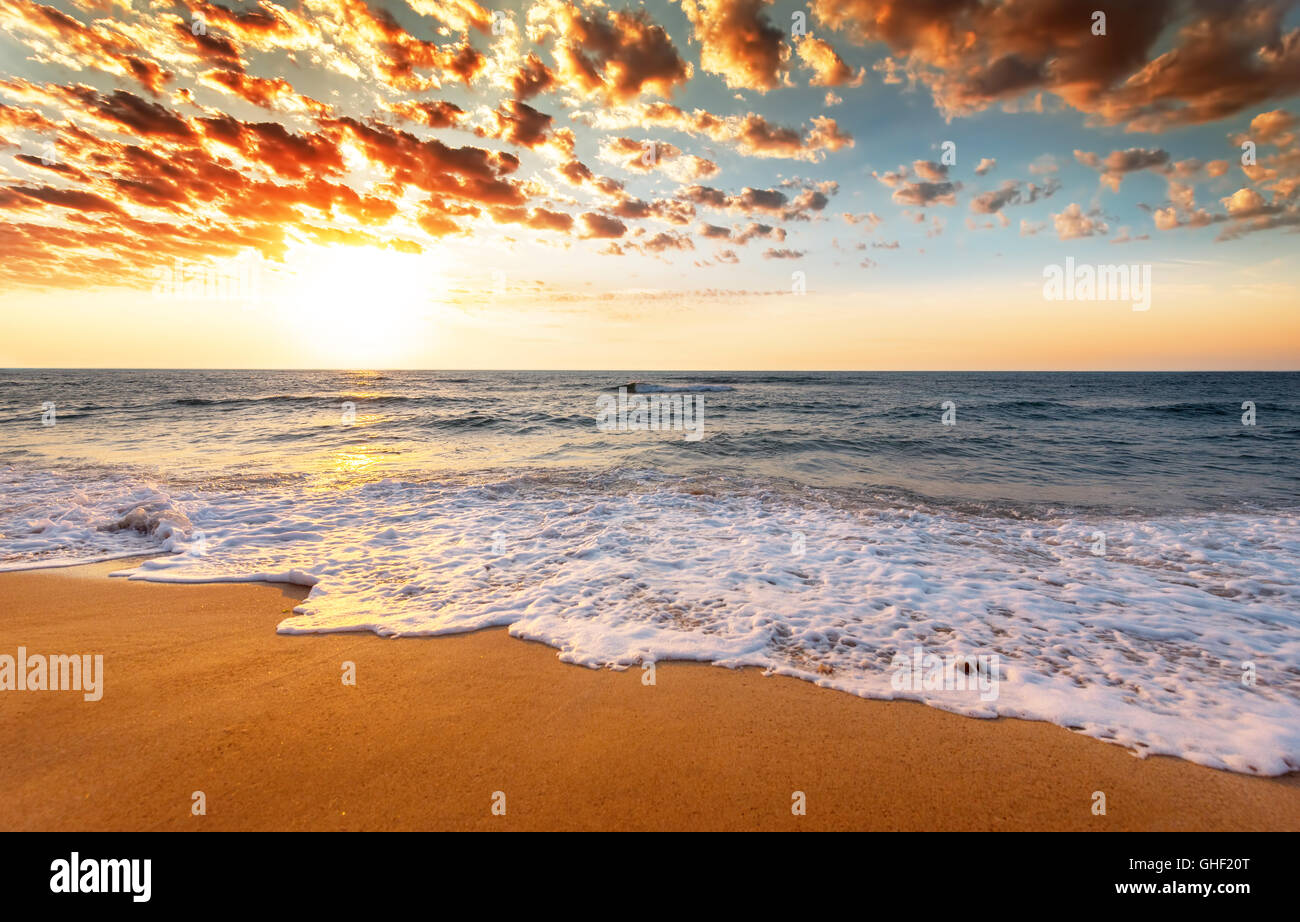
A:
685	184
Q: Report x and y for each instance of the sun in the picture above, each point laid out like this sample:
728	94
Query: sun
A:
361	306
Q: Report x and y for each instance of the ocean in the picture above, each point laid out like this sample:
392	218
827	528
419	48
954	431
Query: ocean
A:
1115	553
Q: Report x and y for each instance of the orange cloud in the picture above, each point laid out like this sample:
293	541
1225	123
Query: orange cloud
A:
619	55
972	55
738	42
828	67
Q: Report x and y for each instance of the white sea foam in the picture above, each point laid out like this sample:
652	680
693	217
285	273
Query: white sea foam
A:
51	521
1144	646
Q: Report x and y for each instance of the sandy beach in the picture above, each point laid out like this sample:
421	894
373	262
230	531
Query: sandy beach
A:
201	694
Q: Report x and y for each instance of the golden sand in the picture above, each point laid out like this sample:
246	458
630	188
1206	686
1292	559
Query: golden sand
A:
201	694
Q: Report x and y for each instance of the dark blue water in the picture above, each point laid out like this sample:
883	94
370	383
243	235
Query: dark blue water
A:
1145	442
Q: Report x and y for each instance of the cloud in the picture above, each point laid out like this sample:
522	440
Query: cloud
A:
268	93
1279	170
601	226
521	124
827	66
666	240
1273	127
531	78
927	193
1286	218
754	230
171	144
57	37
749	200
1222	59
772	202
741	235
930	171
545	219
1247	203
870	218
1012	192
737	42
365	40
122	111
1119	163
1073	223
750	134
433	114
920	193
457	15
646	156
64	198
1124	236
620	55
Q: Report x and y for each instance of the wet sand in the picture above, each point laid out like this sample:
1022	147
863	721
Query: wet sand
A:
201	694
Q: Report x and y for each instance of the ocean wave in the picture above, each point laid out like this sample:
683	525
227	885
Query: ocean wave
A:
1141	645
329	399
640	388
1193	409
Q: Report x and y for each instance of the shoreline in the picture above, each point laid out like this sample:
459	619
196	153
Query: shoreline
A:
202	694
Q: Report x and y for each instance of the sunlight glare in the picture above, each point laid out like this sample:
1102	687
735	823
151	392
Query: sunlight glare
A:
362	306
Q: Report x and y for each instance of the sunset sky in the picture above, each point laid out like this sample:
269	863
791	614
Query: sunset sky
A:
852	184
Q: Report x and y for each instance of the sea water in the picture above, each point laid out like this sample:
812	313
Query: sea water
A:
1125	548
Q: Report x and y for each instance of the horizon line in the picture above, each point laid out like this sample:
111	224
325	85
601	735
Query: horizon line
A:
827	371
